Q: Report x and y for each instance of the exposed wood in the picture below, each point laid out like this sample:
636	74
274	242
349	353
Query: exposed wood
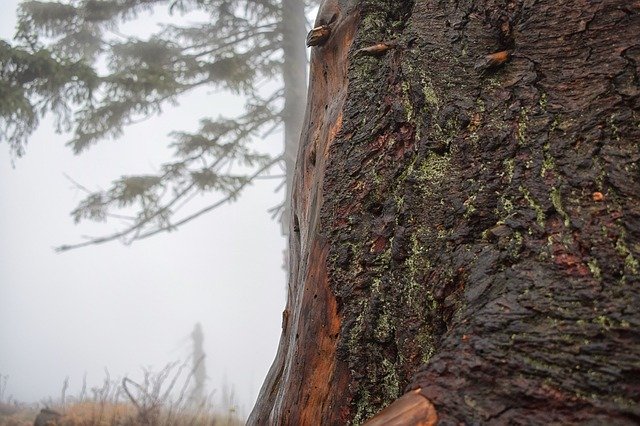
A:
411	409
318	35
299	387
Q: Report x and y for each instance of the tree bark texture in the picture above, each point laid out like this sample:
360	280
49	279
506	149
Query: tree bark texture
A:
466	216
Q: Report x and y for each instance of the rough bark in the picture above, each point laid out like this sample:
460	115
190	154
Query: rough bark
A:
464	224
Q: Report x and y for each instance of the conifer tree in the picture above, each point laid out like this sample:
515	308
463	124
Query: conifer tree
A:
64	60
199	369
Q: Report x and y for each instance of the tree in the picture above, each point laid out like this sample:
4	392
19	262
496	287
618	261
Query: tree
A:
466	218
67	61
199	369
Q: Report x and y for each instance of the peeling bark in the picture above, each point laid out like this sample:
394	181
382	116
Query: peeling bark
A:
467	216
299	386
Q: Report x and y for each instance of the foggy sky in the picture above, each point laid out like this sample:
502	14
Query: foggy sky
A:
124	307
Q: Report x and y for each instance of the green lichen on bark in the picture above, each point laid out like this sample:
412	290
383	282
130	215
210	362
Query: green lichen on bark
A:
479	248
362	277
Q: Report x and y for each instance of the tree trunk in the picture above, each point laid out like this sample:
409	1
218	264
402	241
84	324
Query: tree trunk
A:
294	72
466	216
198	392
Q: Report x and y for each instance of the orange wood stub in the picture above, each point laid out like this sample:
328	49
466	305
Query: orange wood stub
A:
411	409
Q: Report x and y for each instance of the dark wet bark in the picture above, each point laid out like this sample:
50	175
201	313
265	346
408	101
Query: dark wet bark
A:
467	225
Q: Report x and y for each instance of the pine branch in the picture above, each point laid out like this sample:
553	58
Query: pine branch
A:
238	48
136	228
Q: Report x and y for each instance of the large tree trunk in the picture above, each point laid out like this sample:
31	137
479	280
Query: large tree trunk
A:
466	225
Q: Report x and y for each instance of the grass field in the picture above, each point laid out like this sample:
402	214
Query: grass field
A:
165	398
107	414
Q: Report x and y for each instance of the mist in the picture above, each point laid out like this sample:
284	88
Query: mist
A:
115	310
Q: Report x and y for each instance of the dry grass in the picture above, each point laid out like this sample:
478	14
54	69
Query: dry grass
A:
106	414
157	399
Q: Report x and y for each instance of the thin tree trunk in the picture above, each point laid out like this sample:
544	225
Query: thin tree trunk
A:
294	71
198	368
467	216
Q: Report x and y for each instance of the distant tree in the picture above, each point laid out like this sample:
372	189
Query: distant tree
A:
69	59
198	366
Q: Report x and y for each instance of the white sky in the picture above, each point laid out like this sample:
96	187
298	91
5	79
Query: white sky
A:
125	307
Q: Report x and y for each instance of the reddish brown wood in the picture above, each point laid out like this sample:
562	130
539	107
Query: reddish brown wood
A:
411	409
300	388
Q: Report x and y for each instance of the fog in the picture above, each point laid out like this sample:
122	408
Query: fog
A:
122	308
